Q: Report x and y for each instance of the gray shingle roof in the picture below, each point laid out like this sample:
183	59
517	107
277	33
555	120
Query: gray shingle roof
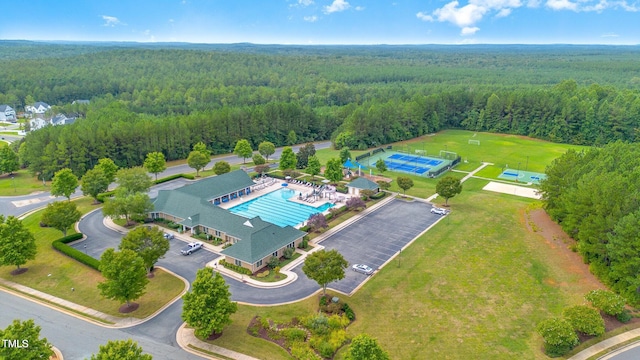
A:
363	184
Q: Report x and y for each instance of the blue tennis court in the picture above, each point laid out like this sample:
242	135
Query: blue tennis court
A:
416	159
406	167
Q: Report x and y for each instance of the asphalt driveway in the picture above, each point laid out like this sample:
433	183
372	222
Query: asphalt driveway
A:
378	236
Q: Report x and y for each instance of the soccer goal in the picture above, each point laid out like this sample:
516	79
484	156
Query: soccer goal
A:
449	155
474	142
421	152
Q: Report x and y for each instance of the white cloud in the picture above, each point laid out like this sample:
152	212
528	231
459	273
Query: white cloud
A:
609	35
171	20
562	5
110	21
312	18
424	16
503	13
469	30
336	6
305	2
461	16
359	8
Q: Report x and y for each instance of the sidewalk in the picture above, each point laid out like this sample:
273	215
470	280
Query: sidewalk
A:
468	176
604	345
186	337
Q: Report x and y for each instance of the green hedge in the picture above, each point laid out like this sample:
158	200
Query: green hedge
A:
105	195
379	195
61	245
236	268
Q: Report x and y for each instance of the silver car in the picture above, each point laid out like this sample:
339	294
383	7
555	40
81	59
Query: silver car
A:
362	268
192	247
438	211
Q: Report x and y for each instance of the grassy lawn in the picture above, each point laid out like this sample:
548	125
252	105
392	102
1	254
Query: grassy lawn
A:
66	273
21	184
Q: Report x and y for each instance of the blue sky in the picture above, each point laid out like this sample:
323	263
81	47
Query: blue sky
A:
326	21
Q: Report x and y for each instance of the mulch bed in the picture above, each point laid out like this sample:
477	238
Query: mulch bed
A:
19	271
125	309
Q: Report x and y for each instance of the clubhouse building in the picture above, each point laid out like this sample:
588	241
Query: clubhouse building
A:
194	207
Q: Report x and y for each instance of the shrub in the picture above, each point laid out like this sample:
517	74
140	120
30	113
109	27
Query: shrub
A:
304	243
302	351
294	334
338	322
61	245
378	195
168	178
323	301
624	316
173	225
609	302
105	195
288	253
342	189
325	349
258	159
189	176
273	262
558	336
318	324
337	338
584	319
236	268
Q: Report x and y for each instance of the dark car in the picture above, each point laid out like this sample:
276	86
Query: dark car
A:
168	236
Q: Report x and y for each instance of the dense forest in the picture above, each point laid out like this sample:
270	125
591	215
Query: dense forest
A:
595	196
167	97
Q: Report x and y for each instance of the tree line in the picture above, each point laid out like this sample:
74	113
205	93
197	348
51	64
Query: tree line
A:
594	196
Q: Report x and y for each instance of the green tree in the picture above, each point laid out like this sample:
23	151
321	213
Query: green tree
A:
8	160
405	183
585	319
133	180
324	267
287	159
155	163
61	215
109	168
121	350
607	301
381	165
292	138
345	155
127	205
623	248
243	149
149	243
364	347
208	306
383	184
64	183
448	187
558	335
17	244
303	155
261	169
201	147
258	159
266	149
313	166
221	167
197	160
27	335
333	170
94	182
125	275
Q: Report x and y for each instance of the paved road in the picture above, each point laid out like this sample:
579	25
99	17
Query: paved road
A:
18	205
233	159
79	339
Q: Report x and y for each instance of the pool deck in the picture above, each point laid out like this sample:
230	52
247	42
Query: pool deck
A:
276	186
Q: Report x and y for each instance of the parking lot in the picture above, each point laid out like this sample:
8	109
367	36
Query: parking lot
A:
378	236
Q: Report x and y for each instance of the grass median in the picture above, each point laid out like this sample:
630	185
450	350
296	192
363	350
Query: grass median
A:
56	274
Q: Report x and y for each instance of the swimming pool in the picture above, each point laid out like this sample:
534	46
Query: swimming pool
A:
276	208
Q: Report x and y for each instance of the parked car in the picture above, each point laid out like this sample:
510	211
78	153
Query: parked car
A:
168	236
362	268
192	247
438	211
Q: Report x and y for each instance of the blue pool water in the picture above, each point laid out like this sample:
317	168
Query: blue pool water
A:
276	208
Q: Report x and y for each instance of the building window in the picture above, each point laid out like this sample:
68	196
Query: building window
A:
275	254
217	233
238	263
259	263
292	245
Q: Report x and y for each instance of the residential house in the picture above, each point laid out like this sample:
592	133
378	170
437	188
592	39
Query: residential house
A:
254	240
61	119
7	113
38	108
360	184
37	123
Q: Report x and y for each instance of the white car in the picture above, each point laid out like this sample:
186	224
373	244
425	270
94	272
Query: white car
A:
362	268
192	247
168	236
438	211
